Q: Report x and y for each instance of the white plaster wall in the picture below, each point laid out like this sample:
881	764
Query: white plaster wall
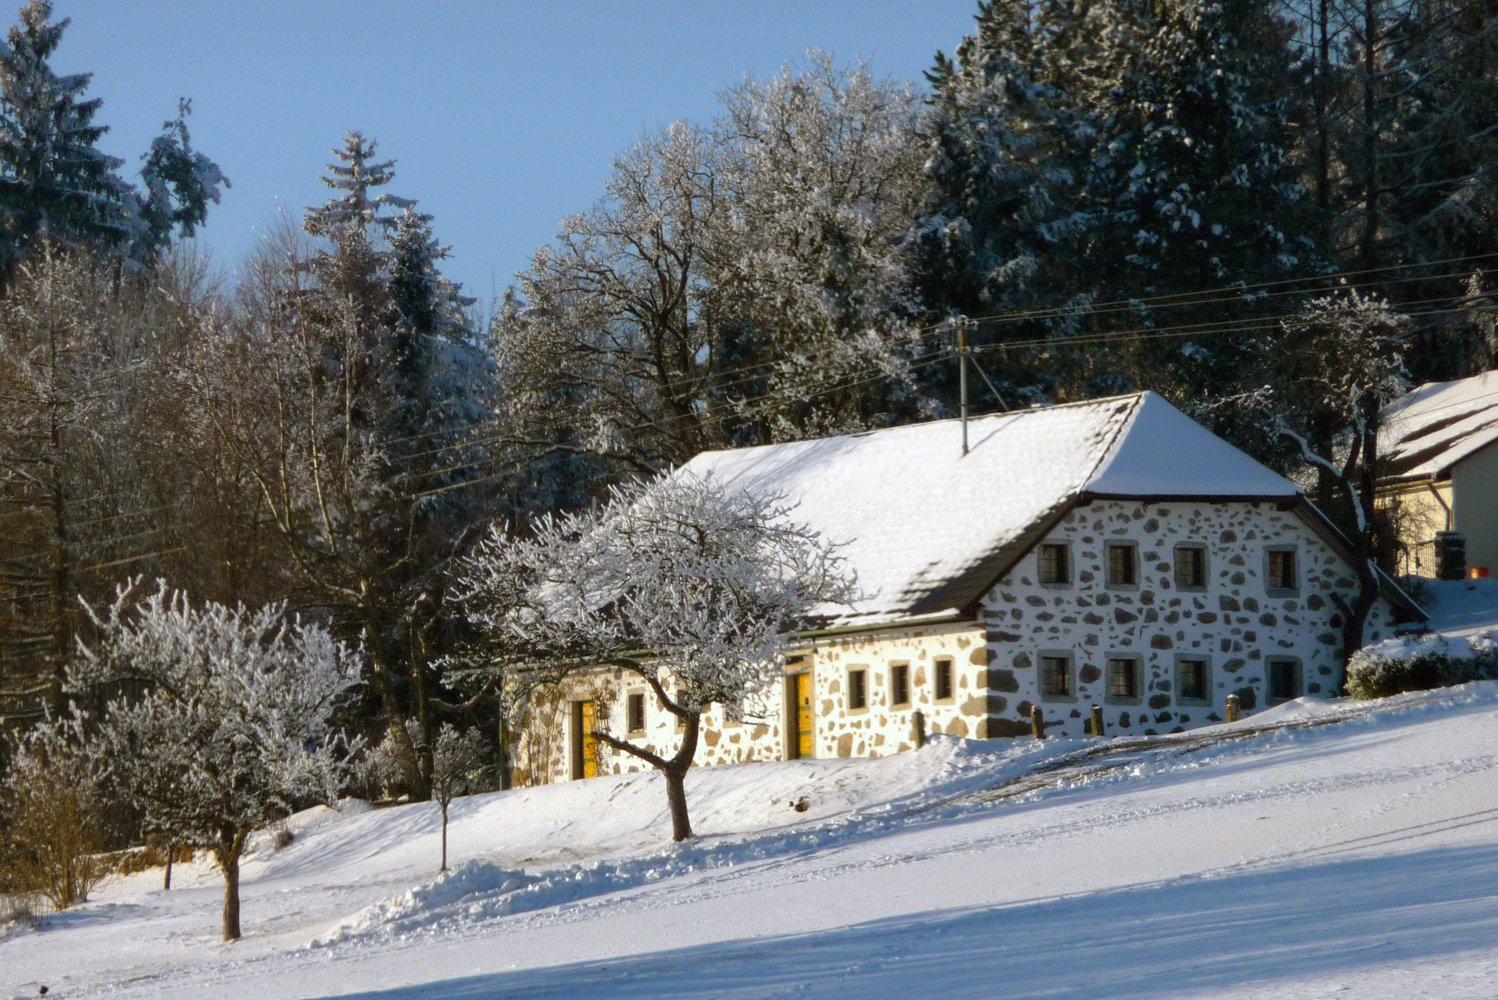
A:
1233	622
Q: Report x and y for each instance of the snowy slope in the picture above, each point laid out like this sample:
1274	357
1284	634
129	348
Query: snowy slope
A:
1355	851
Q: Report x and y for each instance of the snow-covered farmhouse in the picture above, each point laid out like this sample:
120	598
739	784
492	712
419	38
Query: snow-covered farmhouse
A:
1112	553
1438	449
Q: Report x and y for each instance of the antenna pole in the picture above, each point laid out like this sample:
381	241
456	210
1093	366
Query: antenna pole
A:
962	376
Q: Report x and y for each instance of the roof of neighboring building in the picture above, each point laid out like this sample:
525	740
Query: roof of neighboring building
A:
928	529
1428	431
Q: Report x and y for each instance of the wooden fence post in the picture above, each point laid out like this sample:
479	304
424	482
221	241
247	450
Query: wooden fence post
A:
1037	722
918	728
1233	711
1097	720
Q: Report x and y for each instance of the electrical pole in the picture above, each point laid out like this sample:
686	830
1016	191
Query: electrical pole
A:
962	376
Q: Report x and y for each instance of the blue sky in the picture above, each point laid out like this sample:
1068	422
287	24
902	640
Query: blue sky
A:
503	116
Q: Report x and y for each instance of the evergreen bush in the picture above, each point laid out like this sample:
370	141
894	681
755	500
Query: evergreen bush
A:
1422	663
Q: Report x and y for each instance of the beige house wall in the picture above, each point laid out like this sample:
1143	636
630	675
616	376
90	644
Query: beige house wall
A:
1474	484
1416	511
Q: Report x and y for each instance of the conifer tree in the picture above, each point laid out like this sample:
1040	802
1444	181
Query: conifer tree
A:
53	178
55	182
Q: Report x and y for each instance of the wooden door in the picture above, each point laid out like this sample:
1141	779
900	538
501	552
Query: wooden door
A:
805	737
589	742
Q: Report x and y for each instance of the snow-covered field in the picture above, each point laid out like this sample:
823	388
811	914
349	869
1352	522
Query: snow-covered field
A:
1353	852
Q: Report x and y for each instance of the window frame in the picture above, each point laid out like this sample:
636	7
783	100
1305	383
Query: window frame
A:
1297	676
862	672
1066	574
1204	565
943	667
632	700
1132	547
1069	672
899	670
1206	661
1294	553
1136	676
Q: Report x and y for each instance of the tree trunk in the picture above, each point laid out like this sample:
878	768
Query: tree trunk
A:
229	847
231	900
1370	135
1365	542
444	837
676	775
171	855
676	795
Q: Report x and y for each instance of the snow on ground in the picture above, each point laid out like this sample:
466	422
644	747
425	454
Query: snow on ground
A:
1353	851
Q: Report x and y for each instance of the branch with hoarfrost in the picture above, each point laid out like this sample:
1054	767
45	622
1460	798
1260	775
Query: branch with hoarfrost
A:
687	582
230	728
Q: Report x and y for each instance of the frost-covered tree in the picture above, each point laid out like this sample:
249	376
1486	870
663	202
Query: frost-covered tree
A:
227	726
457	759
1095	168
180	183
730	276
685	582
1328	376
822	165
53	177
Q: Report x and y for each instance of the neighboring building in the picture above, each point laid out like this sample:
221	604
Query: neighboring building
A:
1438	461
1112	552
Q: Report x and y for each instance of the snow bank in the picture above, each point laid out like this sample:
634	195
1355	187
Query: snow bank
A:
949	767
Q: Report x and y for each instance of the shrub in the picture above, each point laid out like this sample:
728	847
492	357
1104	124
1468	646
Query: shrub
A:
1420	663
52	805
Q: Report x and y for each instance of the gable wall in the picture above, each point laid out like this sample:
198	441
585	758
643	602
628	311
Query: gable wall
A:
1233	622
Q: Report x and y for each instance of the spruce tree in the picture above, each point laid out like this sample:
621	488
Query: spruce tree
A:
1105	152
54	181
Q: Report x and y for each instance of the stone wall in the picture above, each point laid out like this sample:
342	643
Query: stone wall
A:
1234	622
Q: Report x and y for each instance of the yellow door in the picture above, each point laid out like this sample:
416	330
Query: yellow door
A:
590	742
806	745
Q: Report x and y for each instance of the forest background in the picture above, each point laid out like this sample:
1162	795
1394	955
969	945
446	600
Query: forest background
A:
1092	196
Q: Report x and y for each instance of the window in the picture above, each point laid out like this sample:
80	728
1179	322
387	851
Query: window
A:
1055	676
1191	566
635	710
1055	564
1122	567
1123	677
1192	680
943	669
899	684
858	689
1280	570
1284	679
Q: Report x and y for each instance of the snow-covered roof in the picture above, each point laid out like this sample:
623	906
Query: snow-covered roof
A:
1436	426
928	528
